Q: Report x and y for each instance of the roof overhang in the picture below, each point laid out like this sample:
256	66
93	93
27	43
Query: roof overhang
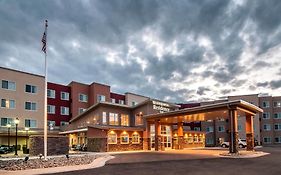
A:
74	131
206	112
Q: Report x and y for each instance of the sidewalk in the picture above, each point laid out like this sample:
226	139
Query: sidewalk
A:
99	162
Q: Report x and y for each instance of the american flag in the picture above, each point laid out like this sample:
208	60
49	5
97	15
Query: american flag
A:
44	42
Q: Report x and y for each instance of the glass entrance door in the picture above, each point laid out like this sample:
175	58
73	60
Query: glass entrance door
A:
152	137
166	135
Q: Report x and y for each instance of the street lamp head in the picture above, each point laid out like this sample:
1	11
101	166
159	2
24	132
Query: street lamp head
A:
17	121
26	128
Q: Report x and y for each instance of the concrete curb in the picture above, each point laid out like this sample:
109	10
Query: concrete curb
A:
246	156
99	162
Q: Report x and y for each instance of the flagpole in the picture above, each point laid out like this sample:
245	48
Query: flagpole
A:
45	97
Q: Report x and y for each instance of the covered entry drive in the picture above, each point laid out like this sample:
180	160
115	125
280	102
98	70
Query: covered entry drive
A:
159	126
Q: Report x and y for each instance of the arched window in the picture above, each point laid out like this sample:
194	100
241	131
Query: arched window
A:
135	138
124	139
112	138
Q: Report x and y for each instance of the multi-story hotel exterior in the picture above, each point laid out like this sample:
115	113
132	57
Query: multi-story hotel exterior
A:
22	97
97	115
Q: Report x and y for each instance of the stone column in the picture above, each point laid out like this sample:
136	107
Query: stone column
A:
250	132
146	136
180	136
233	130
157	125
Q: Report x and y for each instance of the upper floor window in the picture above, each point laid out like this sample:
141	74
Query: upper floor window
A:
113	100
277	139
138	119
134	103
265	104
277	115
51	109
10	104
64	110
104	118
113	119
30	89
7	121
221	129
196	128
266	115
51	123
81	110
121	102
210	129
51	93
29	123
277	126
31	106
267	140
83	98
10	85
101	98
64	96
266	127
63	123
124	120
277	104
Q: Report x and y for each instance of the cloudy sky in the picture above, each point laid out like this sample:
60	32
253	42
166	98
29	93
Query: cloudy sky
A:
171	50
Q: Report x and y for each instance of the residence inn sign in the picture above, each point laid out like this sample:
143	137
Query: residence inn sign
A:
162	107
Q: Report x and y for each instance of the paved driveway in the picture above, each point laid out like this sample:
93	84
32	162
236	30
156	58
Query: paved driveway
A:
269	165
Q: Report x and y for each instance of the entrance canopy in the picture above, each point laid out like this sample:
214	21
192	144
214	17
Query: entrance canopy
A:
206	112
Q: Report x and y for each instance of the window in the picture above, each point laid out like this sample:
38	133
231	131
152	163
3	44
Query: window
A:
210	129
277	104
112	138
101	98
135	138
267	140
266	127
265	104
10	104
6	121
124	120
266	115
196	128
121	102
10	85
51	109
51	123
31	106
113	119
134	103
201	138
83	98
63	123
221	129
124	138
195	138
138	119
113	100
30	123
210	141
51	93
104	118
277	126
277	115
81	110
64	110
188	138
64	96
277	139
30	89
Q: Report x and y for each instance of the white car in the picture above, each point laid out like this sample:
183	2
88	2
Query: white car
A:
241	144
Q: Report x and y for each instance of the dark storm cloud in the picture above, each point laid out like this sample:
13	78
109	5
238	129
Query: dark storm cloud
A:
83	34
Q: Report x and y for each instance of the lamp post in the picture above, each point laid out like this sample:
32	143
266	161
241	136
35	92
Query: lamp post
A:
16	122
9	127
26	139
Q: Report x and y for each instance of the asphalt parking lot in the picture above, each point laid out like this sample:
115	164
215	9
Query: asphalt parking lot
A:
172	163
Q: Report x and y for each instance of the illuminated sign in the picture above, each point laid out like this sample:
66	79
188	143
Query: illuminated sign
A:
160	106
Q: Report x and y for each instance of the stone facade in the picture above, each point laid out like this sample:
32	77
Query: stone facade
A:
97	144
57	145
125	147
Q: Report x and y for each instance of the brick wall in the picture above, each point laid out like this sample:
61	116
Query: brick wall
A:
125	147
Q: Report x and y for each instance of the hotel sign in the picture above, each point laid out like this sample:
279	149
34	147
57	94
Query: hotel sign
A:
160	106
